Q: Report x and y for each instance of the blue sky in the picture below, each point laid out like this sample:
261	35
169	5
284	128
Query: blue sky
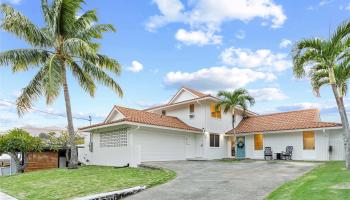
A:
208	45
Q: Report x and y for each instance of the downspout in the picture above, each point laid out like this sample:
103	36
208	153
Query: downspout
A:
204	128
328	150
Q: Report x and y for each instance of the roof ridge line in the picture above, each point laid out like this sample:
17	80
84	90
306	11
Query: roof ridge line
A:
150	113
264	115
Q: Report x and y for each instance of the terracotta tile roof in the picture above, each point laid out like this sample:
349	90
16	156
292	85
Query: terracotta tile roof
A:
302	119
148	118
195	92
181	102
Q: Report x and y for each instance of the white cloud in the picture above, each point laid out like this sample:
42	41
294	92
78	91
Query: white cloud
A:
212	13
347	7
262	58
135	66
268	94
199	38
207	16
285	43
240	34
11	1
216	78
325	2
171	11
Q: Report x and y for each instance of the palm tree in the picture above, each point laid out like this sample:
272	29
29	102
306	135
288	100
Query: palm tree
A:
319	77
329	60
231	100
67	42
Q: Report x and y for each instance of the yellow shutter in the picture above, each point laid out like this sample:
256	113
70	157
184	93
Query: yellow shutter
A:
309	140
212	109
258	141
216	113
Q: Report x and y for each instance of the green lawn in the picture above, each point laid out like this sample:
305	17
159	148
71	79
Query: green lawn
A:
65	184
321	183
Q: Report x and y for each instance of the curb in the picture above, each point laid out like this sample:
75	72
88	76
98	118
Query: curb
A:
113	195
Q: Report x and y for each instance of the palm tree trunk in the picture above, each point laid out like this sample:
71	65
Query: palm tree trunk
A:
345	124
234	132
73	161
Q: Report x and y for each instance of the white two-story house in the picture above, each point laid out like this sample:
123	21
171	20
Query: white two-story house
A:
189	127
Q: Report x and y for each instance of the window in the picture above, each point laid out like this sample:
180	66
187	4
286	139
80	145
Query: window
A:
309	140
118	138
191	109
215	112
258	141
214	140
163	112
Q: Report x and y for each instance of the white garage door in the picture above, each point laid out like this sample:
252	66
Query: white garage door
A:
160	146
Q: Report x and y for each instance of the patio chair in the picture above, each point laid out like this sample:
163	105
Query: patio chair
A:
268	153
287	155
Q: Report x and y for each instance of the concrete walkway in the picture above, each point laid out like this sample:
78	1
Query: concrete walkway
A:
4	196
249	180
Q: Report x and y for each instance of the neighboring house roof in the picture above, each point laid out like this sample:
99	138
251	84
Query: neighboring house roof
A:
293	120
147	118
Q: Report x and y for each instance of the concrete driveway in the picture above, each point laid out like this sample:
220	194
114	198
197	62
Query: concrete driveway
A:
223	180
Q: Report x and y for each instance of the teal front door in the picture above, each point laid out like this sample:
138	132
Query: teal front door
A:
240	147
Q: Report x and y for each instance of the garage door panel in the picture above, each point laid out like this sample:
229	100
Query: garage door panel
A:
161	146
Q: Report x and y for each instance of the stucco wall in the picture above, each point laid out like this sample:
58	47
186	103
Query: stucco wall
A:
161	145
279	141
183	96
106	156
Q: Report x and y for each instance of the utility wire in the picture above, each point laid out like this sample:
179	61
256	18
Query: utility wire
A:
49	113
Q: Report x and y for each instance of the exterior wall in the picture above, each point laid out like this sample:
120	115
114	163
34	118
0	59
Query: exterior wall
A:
279	141
183	96
162	145
106	156
337	143
215	152
152	144
115	116
202	118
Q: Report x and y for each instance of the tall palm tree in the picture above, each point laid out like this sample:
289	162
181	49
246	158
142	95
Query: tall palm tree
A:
67	42
319	77
229	101
328	60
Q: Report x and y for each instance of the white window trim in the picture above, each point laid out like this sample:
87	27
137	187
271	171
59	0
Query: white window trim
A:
214	141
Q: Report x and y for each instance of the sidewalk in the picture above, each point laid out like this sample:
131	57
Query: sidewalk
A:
4	196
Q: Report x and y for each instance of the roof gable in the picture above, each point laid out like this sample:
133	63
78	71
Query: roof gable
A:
147	118
114	115
185	94
301	119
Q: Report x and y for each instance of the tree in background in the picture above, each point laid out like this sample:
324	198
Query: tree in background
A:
56	141
66	43
18	143
329	60
229	101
